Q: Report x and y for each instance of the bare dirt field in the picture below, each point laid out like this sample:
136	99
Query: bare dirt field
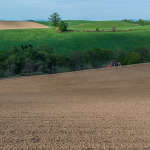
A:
20	25
83	110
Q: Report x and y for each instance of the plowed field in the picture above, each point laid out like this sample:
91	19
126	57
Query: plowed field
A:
20	25
93	109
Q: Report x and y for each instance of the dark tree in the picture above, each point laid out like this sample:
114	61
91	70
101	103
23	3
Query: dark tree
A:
55	19
26	46
30	46
22	47
77	59
16	50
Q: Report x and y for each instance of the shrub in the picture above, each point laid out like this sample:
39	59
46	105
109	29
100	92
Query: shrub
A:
10	65
113	29
63	26
97	29
133	58
120	55
144	53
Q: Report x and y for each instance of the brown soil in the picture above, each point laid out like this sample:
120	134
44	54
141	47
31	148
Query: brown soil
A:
92	109
20	25
57	30
128	30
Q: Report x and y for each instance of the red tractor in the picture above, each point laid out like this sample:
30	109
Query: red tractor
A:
114	63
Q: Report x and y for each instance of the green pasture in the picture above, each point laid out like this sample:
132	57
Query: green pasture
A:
70	22
103	25
69	41
92	25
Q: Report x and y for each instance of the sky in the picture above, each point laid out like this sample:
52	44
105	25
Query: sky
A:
96	10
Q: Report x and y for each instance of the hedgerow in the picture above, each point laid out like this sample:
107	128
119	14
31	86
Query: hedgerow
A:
27	60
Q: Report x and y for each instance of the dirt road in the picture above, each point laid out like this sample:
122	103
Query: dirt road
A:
20	25
93	109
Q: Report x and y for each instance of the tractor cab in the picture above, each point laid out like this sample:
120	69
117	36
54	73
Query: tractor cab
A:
114	63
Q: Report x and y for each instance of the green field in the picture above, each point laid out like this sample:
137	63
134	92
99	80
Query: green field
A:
64	43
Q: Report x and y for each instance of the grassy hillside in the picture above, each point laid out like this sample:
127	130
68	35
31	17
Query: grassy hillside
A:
47	23
105	25
66	42
70	22
92	25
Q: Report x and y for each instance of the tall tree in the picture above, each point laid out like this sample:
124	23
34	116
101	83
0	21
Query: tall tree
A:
77	58
55	19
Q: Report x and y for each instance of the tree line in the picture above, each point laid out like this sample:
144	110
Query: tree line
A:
27	60
140	22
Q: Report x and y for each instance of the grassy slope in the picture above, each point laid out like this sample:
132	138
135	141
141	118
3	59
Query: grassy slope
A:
66	42
47	23
70	22
105	25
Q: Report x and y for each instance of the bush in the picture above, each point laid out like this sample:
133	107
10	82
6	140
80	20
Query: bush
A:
120	55
63	60
63	26
97	29
29	66
144	53
133	58
10	65
113	29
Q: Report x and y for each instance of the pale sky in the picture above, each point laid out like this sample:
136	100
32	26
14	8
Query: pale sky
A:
97	10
